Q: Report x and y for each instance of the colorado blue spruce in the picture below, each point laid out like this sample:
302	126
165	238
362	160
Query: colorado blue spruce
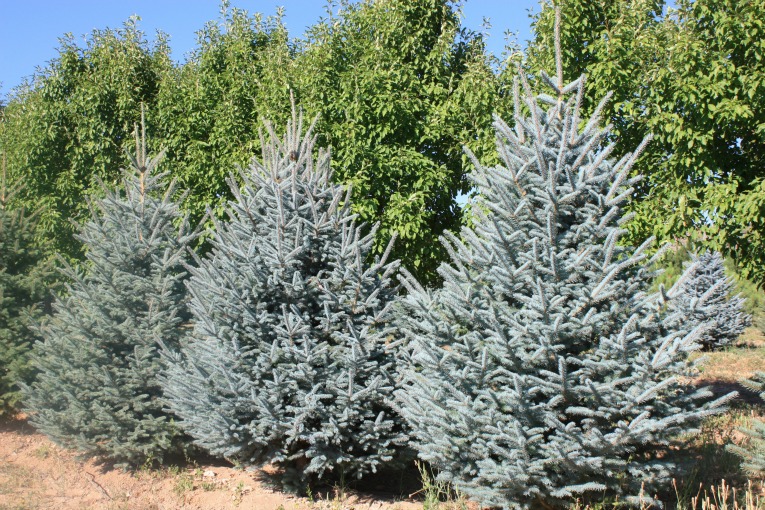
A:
97	388
707	298
288	362
752	452
543	370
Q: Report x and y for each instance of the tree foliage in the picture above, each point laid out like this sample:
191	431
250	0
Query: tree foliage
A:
723	313
209	110
400	87
96	387
753	453
25	286
71	125
544	369
693	75
287	364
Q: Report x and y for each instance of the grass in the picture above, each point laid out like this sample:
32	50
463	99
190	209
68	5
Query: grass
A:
17	482
724	497
183	483
43	452
711	470
438	495
239	491
734	363
719	496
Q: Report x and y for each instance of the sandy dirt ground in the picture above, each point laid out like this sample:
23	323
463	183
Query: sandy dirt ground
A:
36	474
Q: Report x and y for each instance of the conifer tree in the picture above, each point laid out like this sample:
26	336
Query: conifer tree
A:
287	363
543	369
25	278
753	454
97	387
722	314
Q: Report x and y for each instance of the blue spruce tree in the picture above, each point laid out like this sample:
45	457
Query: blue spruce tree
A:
543	369
97	388
753	453
288	362
705	298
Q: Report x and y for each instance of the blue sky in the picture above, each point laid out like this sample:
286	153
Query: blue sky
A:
30	29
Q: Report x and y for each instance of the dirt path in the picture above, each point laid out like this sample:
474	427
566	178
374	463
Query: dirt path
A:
36	474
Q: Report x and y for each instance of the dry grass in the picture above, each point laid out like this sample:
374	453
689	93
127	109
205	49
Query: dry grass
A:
19	488
711	470
752	337
725	497
737	362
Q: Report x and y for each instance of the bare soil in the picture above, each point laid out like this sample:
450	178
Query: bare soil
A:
37	474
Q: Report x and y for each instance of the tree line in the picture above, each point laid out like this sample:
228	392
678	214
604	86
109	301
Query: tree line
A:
400	89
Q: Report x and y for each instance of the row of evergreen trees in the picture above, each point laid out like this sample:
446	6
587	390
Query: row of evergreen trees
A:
542	369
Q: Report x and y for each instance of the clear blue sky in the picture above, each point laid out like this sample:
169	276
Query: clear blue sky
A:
30	29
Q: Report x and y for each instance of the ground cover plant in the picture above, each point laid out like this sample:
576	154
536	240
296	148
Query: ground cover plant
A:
287	363
96	387
543	369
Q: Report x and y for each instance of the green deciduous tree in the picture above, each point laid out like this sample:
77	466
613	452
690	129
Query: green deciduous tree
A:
694	76
209	109
71	124
400	87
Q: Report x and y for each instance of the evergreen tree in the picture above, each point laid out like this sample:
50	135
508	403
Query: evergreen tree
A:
288	364
754	453
543	369
97	387
722	314
24	287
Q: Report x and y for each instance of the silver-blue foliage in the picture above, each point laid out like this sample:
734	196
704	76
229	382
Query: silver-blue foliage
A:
288	362
706	298
97	388
753	452
543	370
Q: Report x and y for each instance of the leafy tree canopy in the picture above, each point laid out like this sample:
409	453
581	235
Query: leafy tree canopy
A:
71	125
693	76
399	86
210	109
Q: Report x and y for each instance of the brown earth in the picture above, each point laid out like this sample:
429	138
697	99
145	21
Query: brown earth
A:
37	474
